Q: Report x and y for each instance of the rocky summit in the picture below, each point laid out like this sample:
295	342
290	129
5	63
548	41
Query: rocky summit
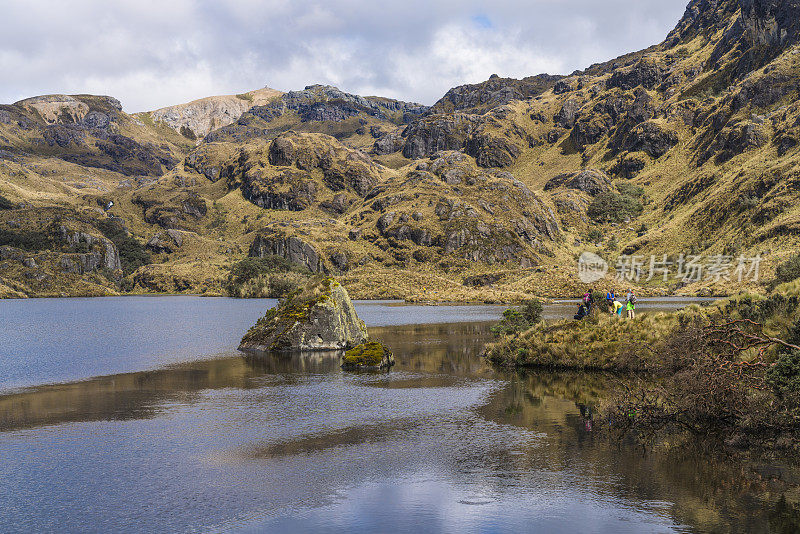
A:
690	146
320	317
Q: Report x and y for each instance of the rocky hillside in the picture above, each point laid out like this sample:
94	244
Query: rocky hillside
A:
689	146
198	118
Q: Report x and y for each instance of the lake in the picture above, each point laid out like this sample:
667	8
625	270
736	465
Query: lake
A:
137	414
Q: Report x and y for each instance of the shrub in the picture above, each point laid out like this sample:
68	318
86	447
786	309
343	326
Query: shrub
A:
594	235
26	240
629	189
251	267
132	254
784	376
5	204
516	320
600	301
265	277
787	271
280	287
614	207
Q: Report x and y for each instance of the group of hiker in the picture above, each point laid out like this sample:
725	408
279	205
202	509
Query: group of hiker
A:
614	306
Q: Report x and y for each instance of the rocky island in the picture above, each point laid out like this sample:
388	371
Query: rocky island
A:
320	317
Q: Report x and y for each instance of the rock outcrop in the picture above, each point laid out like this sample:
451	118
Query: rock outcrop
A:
589	181
198	118
320	318
167	241
496	91
371	356
292	249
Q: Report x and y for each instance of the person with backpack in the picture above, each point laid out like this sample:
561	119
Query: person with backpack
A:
611	297
588	300
583	312
631	306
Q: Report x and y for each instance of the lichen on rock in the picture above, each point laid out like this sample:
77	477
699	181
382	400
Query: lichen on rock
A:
319	317
368	356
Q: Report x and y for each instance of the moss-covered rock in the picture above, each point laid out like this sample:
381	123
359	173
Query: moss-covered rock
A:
319	317
372	355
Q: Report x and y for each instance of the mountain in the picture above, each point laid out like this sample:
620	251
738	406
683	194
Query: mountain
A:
689	146
198	118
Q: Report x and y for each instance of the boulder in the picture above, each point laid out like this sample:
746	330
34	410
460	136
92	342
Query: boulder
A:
628	166
737	139
289	190
319	318
588	130
496	91
371	356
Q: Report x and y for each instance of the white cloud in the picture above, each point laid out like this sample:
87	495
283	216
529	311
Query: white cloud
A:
152	53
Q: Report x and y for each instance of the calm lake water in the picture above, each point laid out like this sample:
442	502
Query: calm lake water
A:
138	415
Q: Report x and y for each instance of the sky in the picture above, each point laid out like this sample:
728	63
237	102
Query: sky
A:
155	53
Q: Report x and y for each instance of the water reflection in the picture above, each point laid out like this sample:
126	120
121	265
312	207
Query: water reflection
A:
291	443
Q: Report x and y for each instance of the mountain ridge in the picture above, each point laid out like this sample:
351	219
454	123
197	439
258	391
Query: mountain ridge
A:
489	194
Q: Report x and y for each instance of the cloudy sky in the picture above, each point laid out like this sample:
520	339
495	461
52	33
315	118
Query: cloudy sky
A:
153	53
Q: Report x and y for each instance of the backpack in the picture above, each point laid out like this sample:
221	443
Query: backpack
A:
586	298
633	299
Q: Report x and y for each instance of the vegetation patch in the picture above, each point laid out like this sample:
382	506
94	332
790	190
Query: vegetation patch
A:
267	277
615	207
31	240
516	320
728	371
368	355
787	271
132	254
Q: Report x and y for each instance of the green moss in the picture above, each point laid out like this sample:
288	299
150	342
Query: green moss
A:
370	354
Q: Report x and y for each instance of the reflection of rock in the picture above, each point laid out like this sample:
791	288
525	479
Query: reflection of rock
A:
368	356
321	317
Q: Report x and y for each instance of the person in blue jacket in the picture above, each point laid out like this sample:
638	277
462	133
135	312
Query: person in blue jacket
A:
610	298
